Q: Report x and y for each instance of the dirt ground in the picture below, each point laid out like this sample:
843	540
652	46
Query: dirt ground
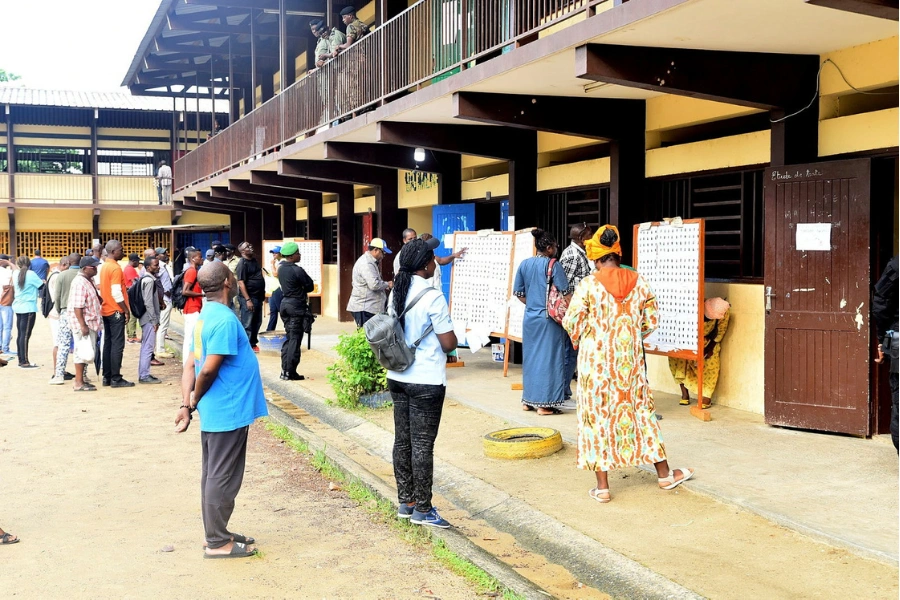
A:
97	484
715	549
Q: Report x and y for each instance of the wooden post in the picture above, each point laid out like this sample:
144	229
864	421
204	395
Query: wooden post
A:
248	109
95	182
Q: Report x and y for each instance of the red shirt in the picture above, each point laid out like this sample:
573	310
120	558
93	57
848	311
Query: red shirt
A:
192	304
130	275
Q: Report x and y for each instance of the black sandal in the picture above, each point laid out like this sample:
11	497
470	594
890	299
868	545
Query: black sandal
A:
6	539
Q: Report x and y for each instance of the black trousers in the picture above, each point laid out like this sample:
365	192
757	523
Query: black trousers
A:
417	416
292	312
24	327
222	473
252	319
274	308
113	346
895	428
361	317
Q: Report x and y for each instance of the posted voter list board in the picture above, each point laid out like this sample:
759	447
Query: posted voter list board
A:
480	281
670	258
523	247
310	259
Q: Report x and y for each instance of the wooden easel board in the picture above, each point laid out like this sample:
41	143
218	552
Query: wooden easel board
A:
310	259
480	280
670	257
523	247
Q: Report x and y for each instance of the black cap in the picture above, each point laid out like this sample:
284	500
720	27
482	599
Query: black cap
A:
348	10
220	249
88	261
133	257
230	247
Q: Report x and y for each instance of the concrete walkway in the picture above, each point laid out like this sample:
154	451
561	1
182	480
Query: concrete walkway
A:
839	490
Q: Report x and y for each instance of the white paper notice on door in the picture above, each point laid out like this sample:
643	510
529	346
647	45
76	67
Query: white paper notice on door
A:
814	236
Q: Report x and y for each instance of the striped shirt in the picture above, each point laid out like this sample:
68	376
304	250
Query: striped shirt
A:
576	265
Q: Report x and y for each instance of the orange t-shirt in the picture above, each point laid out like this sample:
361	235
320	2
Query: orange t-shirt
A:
110	275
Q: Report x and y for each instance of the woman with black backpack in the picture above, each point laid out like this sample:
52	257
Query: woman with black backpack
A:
418	391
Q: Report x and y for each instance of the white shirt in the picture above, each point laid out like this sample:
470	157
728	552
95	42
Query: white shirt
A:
164	175
6	276
430	366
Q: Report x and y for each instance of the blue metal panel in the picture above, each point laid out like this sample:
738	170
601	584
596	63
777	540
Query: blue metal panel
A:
447	218
504	215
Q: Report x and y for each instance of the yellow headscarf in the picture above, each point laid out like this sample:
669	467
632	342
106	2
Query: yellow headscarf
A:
594	249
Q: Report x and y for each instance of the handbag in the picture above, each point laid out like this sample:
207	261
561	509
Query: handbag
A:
84	349
557	303
7	295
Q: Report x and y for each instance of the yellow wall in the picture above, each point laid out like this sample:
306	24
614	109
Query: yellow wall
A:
57	219
53	189
742	368
498	186
193	217
867	66
330	291
420	219
853	133
4	186
134	190
721	153
408	196
362	205
586	172
129	220
302	213
670	112
551	142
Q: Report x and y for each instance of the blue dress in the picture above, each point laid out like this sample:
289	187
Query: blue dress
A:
543	339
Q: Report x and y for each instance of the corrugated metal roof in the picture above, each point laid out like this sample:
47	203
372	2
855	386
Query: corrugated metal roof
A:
72	99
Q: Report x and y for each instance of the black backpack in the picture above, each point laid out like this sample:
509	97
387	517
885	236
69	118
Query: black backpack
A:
136	299
178	299
46	299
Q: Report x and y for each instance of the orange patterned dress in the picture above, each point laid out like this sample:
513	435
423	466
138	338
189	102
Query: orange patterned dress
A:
609	315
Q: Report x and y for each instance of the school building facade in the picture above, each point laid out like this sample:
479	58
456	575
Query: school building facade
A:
457	114
78	166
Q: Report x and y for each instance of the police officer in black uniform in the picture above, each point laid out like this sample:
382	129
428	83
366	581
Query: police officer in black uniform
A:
295	285
884	311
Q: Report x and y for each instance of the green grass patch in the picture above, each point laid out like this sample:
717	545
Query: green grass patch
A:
383	510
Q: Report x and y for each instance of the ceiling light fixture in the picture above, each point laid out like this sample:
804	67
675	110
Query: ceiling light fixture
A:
419	155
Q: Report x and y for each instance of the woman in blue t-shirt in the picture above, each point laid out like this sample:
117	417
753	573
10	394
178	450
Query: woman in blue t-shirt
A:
418	392
24	305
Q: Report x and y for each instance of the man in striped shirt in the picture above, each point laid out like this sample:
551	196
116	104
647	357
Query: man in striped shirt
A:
85	320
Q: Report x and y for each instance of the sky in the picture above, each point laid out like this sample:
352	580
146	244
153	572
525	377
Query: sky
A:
84	45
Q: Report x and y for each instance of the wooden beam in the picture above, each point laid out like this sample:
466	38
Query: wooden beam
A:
349	249
338	172
761	80
270	178
385	155
882	9
306	6
246	187
600	118
314	229
479	140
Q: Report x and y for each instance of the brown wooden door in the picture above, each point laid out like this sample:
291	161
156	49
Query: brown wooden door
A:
817	329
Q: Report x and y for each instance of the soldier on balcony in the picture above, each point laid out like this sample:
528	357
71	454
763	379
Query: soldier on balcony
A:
164	183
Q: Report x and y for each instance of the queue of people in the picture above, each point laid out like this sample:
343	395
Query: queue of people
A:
86	302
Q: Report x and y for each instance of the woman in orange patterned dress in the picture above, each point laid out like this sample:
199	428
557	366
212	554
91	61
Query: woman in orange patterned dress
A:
610	314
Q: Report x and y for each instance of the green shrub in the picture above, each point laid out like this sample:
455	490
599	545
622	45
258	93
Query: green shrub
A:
356	371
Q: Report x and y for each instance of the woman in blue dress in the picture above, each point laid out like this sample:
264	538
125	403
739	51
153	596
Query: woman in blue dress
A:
543	339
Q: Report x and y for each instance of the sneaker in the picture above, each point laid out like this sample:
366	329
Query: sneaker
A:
255	349
68	376
569	404
165	355
149	379
431	519
56	380
405	511
106	382
121	383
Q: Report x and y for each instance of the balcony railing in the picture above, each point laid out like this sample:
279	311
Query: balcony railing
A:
425	43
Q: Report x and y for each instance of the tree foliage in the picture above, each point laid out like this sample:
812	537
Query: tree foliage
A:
6	76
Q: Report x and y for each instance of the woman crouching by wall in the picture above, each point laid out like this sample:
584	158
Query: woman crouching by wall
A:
418	392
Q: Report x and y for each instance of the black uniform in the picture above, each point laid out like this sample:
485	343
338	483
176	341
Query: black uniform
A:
295	285
884	311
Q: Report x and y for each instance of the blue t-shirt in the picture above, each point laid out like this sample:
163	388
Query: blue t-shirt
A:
235	399
25	300
40	266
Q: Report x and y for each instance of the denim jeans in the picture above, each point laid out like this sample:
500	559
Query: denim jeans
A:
274	309
252	319
6	323
417	416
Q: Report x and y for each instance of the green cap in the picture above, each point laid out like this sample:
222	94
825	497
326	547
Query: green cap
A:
289	249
